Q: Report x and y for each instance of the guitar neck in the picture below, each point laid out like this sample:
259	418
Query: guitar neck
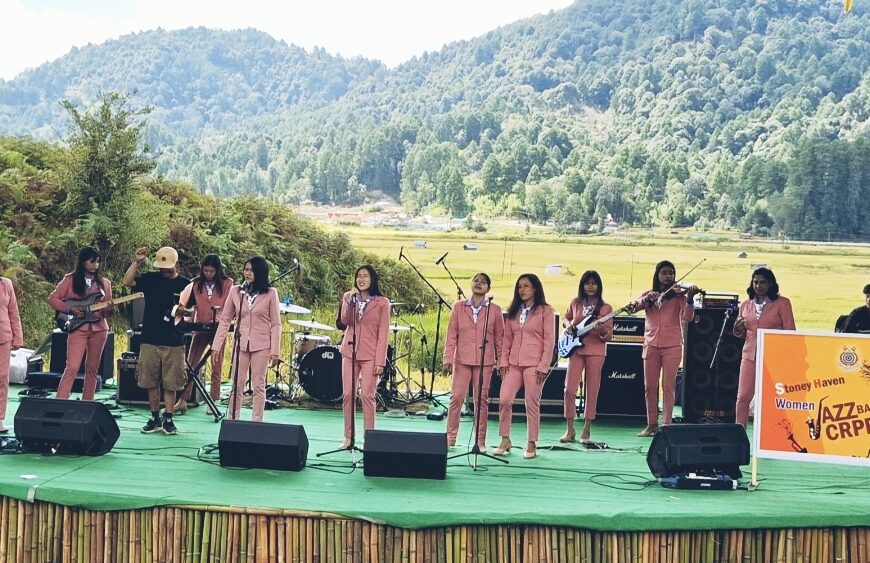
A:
118	301
603	319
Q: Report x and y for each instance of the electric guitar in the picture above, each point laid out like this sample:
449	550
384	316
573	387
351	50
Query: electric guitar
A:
68	322
569	342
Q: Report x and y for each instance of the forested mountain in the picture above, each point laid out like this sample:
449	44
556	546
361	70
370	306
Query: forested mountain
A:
754	116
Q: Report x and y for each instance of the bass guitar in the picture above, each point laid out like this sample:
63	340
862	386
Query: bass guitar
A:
68	322
571	341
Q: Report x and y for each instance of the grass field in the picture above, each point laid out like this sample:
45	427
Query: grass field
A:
822	282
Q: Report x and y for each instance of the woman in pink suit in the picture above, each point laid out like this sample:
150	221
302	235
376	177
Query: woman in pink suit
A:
204	298
590	304
465	335
667	308
87	341
526	355
253	306
366	313
11	338
765	308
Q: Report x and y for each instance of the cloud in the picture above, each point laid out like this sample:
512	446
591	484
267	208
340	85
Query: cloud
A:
390	30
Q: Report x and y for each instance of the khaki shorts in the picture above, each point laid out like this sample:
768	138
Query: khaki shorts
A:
161	365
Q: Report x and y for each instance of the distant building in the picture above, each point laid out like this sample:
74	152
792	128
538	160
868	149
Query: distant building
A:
742	255
553	269
469	246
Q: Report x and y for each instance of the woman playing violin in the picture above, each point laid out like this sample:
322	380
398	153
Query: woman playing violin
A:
667	307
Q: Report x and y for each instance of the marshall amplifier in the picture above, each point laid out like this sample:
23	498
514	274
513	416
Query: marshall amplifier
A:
628	329
622	391
551	396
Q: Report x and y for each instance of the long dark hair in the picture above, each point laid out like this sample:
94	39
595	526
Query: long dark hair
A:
261	274
517	303
375	287
656	284
596	277
214	261
767	274
85	254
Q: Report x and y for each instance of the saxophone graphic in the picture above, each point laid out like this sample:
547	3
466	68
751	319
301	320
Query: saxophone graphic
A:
815	426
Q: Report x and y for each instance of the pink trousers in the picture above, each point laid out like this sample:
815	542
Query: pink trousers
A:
197	346
79	344
745	391
660	362
362	374
463	375
517	377
5	356
592	366
258	363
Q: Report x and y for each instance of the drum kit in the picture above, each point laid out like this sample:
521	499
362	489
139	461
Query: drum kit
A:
315	365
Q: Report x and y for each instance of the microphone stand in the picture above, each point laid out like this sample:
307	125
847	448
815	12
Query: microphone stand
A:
352	448
427	394
296	267
475	450
714	363
459	293
235	359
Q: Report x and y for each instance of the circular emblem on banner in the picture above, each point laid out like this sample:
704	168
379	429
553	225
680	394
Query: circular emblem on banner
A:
849	357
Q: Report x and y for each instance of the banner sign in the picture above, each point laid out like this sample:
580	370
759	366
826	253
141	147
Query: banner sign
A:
812	397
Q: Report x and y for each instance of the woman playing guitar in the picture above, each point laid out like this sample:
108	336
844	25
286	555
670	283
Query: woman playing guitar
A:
586	308
88	340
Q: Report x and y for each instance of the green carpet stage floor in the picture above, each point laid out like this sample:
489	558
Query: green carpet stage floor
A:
609	489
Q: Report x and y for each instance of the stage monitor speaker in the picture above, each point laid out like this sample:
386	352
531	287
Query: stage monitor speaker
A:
65	427
57	361
622	392
710	395
705	449
262	445
417	455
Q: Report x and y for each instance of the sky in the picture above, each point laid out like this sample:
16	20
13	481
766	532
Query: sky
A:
33	32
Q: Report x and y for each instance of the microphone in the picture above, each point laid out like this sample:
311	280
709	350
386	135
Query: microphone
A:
437	262
297	263
401	251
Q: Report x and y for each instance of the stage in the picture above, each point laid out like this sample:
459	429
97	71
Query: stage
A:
157	497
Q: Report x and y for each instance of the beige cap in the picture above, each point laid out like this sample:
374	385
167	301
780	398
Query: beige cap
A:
165	258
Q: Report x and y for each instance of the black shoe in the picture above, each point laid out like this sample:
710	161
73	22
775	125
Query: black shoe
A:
153	425
169	427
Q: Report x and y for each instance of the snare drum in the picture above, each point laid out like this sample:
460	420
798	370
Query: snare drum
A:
320	374
306	342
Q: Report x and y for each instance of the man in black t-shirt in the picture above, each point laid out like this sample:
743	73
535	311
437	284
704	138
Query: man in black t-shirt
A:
859	319
161	355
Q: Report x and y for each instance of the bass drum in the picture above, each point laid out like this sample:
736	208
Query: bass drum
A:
320	374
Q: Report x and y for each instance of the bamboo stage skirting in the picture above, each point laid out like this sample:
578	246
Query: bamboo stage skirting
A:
47	532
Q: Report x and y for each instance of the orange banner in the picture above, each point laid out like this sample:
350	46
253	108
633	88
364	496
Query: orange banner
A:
812	397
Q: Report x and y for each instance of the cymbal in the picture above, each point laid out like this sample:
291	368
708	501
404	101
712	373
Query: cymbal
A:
312	324
293	308
399	328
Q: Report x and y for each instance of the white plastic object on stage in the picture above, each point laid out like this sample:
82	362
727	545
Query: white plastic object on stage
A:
18	365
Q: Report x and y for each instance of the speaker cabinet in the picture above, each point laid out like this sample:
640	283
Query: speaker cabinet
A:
57	360
262	445
705	449
65	427
710	394
417	455
622	392
551	396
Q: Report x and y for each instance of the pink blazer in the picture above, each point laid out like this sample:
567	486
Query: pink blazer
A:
64	290
10	320
260	326
594	343
664	327
464	336
531	344
372	330
202	309
776	314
